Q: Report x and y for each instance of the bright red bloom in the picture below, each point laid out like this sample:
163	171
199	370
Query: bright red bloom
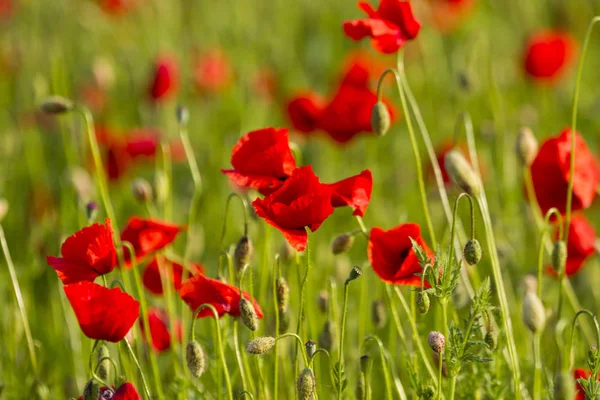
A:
305	110
86	254
550	173
581	373
392	256
548	55
159	331
152	280
225	298
354	192
147	236
390	27
165	80
580	245
302	201
212	72
103	314
262	160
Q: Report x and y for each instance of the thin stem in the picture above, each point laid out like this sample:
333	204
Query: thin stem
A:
238	355
276	273
453	231
342	332
303	289
537	367
245	208
137	363
439	383
384	366
452	387
298	342
544	231
594	320
363	228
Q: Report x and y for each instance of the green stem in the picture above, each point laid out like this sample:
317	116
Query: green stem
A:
537	367
544	231
137	363
444	303
384	366
276	274
342	332
440	366
245	208
594	320
452	387
299	343
302	290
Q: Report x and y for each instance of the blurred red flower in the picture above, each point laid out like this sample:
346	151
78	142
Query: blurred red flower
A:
86	254
304	111
159	331
103	314
117	7
225	298
392	256
152	280
126	391
354	192
212	71
262	160
581	373
580	245
165	79
302	201
390	27
447	15
147	236
550	173
264	83
548	55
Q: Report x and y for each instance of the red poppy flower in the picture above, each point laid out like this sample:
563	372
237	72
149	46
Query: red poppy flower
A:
392	256
301	202
165	79
225	298
304	111
550	173
581	373
86	254
548	55
354	192
262	160
103	314
152	280
390	27
212	72
148	235
581	245
117	7
159	330
126	391
447	15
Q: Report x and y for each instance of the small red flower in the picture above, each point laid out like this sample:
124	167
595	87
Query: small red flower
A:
304	111
212	72
126	391
581	373
152	280
262	160
86	254
117	7
103	314
354	192
548	55
225	298
392	256
147	236
159	330
550	173
580	245
302	201
165	79
390	27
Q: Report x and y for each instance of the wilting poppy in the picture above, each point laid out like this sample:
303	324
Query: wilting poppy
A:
86	254
390	27
103	314
225	298
550	173
354	192
302	201
392	256
212	71
152	280
165	79
581	373
548	55
262	160
147	236
126	391
159	331
580	245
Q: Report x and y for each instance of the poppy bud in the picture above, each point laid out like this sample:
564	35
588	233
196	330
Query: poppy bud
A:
195	358
248	314
91	210
342	243
327	337
472	252
261	345
380	119
244	250
141	190
90	390
461	173
56	105
3	208
378	314
436	341
527	146
306	385
183	115
103	362
323	300
563	386
491	339
559	256
534	315
284	320
427	392
423	302
311	348
355	273
283	292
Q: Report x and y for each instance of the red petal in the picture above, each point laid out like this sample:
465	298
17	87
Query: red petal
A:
354	192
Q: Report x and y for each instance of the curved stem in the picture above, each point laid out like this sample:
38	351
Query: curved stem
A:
238	355
244	206
299	343
363	228
227	256
594	320
245	393
384	366
453	231
137	363
103	359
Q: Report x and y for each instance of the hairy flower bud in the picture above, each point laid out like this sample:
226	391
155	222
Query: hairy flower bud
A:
248	314
103	362
56	105
473	252
328	336
141	190
195	358
342	243
90	390
534	314
423	302
311	348
261	345
283	292
284	320
306	384
378	314
436	341
559	256
526	146
461	172
380	119
244	250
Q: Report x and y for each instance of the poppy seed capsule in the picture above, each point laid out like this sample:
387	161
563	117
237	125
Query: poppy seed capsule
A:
342	243
461	173
355	273
195	358
473	252
436	341
311	348
56	105
261	345
283	292
328	336
91	389
103	362
380	119
534	314
378	314
248	314
423	302
559	256
306	385
141	190
526	146
244	250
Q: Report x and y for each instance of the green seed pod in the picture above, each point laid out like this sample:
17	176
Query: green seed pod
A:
311	348
248	314
378	314
284	320
473	252
306	385
534	314
141	190
328	336
283	292
436	341
380	119
90	390
103	362
563	386
559	256
261	345
461	172
56	105
342	243
355	273
244	250
423	302
195	358
526	146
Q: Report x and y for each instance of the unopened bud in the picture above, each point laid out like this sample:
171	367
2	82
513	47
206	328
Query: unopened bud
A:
323	300
283	292
378	314
284	320
91	211
311	348
423	302
559	256
306	385
261	345
141	190
342	243
491	339
327	337
244	250
248	314
355	273
563	386
183	115
526	146
380	119
195	358
56	105
534	315
436	341
461	172
90	390
473	252
103	362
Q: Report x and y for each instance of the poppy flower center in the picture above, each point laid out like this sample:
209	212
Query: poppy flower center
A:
404	253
